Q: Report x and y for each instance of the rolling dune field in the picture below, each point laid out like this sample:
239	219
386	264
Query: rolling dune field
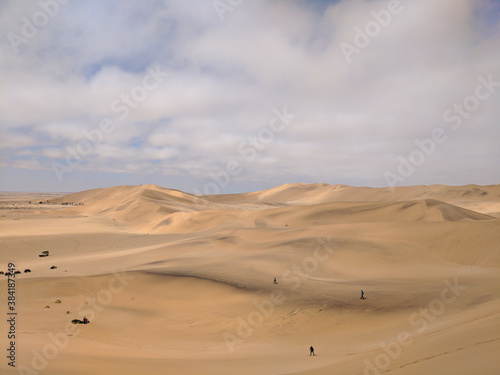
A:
174	283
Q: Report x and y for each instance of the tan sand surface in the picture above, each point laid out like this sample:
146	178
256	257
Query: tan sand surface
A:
178	284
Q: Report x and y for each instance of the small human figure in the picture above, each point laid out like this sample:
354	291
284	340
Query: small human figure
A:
362	295
85	320
311	351
275	280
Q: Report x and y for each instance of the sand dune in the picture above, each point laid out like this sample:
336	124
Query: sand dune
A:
151	208
175	283
320	193
483	198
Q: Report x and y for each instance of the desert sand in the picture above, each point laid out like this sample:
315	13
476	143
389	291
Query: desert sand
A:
178	284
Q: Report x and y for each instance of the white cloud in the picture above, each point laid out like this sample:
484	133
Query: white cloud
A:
353	120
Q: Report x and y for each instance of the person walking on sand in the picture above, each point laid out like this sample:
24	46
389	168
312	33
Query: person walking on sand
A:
311	351
362	295
275	281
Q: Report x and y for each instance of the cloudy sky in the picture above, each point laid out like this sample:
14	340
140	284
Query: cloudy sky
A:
238	95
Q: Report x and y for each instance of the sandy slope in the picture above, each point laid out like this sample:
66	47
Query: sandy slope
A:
174	283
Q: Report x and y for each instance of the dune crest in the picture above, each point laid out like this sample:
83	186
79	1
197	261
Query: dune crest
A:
299	193
154	209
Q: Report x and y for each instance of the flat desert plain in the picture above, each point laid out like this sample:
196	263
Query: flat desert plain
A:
174	283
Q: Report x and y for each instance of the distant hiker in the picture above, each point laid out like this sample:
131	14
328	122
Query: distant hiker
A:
311	351
85	320
275	280
362	295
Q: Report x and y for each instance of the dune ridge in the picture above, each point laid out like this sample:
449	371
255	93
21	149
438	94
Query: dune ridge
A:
155	209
